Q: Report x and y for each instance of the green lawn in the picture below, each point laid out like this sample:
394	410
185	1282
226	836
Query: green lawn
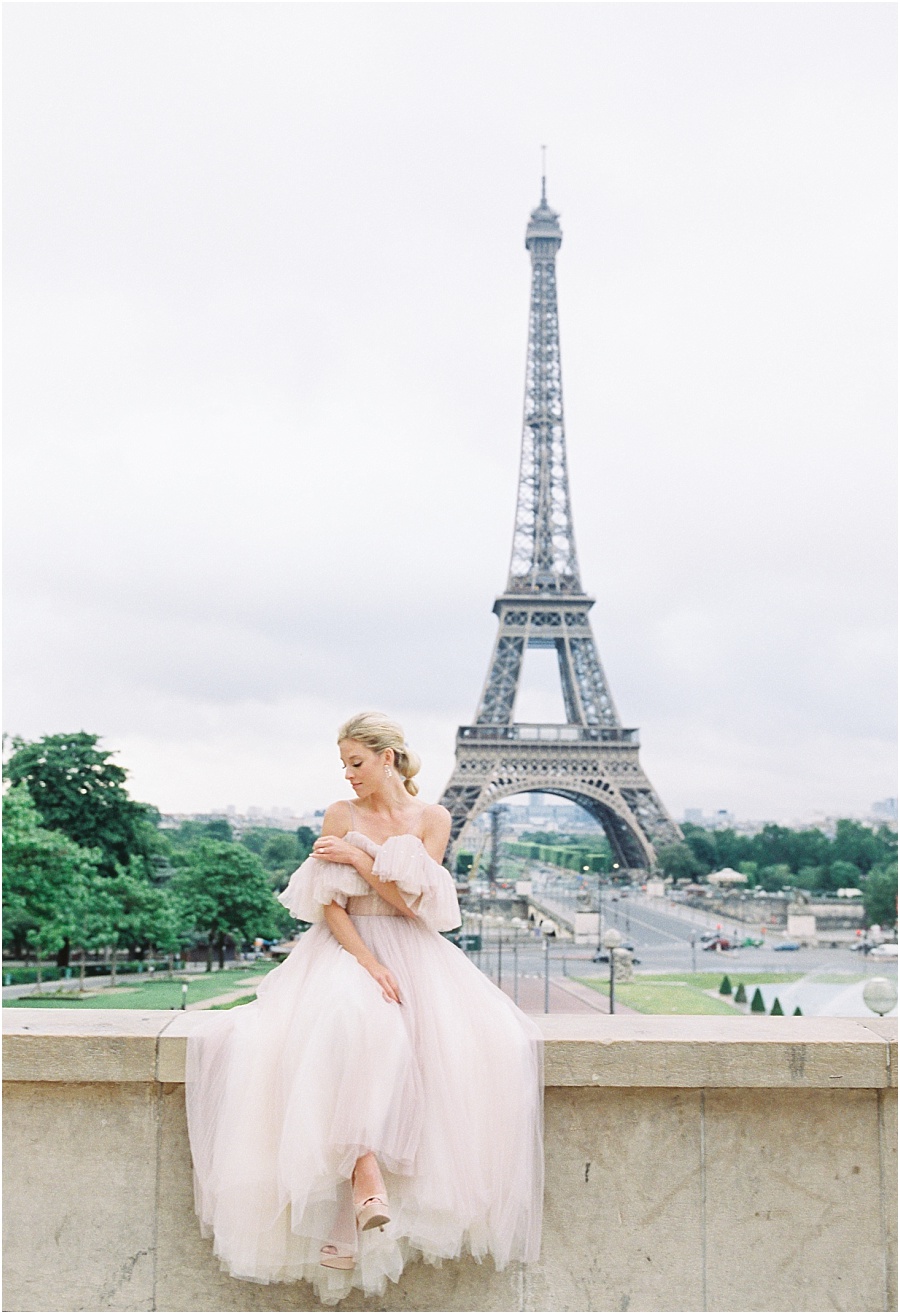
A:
685	992
712	980
151	994
234	1003
649	995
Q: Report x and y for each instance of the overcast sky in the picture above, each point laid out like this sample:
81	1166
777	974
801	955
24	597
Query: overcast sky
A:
266	301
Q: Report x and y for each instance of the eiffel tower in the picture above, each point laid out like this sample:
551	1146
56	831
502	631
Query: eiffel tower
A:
592	759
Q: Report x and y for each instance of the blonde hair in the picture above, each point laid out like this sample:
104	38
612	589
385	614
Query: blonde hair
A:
379	732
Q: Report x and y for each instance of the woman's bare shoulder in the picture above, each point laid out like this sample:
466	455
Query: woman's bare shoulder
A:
436	816
338	818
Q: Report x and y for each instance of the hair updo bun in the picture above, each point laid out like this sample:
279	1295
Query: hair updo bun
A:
379	732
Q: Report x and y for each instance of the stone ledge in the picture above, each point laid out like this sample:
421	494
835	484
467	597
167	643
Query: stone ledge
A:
111	1045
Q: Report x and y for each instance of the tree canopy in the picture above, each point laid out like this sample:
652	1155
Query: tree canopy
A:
46	878
226	892
80	792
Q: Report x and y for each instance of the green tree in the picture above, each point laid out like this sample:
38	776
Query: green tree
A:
219	828
306	838
226	892
842	875
751	871
813	878
678	861
725	987
775	878
757	1004
280	851
44	878
703	846
880	895
95	920
856	844
776	1010
740	995
79	791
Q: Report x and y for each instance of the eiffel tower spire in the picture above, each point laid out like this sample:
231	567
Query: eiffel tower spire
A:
543	552
591	758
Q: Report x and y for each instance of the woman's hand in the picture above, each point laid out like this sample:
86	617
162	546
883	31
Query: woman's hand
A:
331	849
385	979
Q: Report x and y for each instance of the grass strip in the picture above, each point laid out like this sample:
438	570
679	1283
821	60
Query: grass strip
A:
163	995
233	1003
672	997
712	980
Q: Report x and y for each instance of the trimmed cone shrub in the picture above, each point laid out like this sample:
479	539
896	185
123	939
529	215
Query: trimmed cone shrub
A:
740	995
777	1010
725	987
756	1003
798	1011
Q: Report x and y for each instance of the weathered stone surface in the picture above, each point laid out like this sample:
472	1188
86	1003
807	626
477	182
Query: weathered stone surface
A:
888	1127
79	1172
68	1044
581	1049
622	1221
754	1189
793	1200
698	1052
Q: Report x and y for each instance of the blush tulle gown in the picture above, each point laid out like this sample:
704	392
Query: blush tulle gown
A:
284	1094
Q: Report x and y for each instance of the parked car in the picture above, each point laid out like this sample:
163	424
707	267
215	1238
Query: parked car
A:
787	947
601	956
751	942
883	951
717	942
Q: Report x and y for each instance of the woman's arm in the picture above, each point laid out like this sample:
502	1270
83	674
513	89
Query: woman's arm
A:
332	847
347	936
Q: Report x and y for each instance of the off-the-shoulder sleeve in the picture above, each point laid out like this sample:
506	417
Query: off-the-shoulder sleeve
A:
426	886
317	883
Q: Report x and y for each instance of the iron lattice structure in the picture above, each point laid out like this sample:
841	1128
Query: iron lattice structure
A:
591	759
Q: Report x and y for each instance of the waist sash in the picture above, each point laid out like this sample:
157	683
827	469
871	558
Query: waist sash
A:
371	905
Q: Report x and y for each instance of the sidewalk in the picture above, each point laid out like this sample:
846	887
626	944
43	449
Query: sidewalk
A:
565	996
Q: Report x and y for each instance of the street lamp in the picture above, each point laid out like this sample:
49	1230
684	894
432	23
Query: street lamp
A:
611	940
599	911
880	995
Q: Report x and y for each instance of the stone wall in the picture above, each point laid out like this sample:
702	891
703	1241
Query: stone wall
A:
692	1164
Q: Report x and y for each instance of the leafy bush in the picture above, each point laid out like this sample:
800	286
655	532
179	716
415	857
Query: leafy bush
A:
725	987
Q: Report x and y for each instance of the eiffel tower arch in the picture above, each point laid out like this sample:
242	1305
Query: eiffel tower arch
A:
590	759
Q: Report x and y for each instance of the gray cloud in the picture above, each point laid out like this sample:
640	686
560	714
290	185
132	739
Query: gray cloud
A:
265	301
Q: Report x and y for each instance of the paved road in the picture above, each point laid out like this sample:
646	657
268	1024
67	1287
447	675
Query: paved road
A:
661	934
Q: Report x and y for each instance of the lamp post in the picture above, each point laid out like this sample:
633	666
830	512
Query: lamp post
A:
611	941
880	995
599	911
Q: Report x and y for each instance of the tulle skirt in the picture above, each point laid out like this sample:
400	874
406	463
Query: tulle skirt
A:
284	1094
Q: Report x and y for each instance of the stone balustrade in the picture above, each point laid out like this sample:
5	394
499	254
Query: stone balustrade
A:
692	1164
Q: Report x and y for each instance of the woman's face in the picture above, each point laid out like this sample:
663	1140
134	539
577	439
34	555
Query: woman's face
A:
363	767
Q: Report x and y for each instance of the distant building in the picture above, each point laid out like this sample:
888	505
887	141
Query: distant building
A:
885	809
720	820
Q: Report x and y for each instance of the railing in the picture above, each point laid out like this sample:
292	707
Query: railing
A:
550	733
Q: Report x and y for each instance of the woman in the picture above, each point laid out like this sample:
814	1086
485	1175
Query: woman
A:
381	1099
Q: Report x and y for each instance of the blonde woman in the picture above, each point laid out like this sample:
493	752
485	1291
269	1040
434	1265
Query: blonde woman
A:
381	1100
